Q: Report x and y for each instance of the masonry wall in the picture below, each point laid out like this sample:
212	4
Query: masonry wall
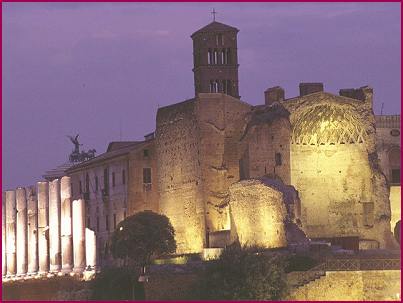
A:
221	120
264	142
388	149
371	285
179	174
258	214
142	196
335	170
100	209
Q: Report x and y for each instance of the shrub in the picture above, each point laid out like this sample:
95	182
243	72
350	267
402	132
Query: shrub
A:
113	284
243	274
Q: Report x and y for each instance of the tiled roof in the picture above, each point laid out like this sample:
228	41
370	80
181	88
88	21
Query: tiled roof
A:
216	26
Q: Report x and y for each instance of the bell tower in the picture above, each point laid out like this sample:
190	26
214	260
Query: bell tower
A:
215	59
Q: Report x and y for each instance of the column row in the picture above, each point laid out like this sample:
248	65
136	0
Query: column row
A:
43	231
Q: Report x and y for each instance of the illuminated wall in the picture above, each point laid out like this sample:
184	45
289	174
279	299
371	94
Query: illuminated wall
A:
335	170
221	121
197	151
395	205
258	212
179	174
370	285
388	149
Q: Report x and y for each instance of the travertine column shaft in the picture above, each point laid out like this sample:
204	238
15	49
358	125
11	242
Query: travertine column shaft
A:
79	235
43	226
32	205
54	226
11	217
66	220
3	235
90	248
22	249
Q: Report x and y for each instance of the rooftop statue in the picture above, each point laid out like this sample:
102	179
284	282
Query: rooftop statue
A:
76	155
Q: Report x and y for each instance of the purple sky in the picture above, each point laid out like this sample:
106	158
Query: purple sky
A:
96	68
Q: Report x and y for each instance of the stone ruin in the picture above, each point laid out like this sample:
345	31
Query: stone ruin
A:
263	213
44	233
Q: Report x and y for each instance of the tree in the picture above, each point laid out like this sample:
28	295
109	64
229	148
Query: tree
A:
141	237
137	240
244	274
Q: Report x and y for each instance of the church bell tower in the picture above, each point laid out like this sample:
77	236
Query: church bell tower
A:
215	59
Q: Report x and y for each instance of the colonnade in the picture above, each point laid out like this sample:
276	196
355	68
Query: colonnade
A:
44	233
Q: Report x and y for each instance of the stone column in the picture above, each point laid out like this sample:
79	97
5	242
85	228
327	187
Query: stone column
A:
67	241
79	235
11	217
22	249
43	227
90	249
32	204
54	226
3	235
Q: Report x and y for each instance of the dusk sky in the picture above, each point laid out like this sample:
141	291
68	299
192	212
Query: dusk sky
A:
102	69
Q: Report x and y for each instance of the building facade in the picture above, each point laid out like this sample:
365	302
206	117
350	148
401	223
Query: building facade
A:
328	154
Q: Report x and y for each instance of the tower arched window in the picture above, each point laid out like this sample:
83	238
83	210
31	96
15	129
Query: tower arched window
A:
211	86
216	86
215	58
210	57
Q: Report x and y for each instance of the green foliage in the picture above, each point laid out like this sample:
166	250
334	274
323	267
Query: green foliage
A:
113	284
243	274
143	236
299	263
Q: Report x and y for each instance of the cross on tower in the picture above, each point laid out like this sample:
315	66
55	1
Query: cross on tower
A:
213	13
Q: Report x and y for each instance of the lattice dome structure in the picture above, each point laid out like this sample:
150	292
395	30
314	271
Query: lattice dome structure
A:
327	124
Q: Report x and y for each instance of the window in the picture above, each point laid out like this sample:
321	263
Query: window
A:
124	177
88	222
113	179
96	183
394	164
210	57
106	180
147	175
81	188
214	86
107	222
278	159
87	183
145	153
114	221
396	176
71	186
98	224
215	58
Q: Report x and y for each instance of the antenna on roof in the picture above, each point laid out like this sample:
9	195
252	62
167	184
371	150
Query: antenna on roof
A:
120	130
214	13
